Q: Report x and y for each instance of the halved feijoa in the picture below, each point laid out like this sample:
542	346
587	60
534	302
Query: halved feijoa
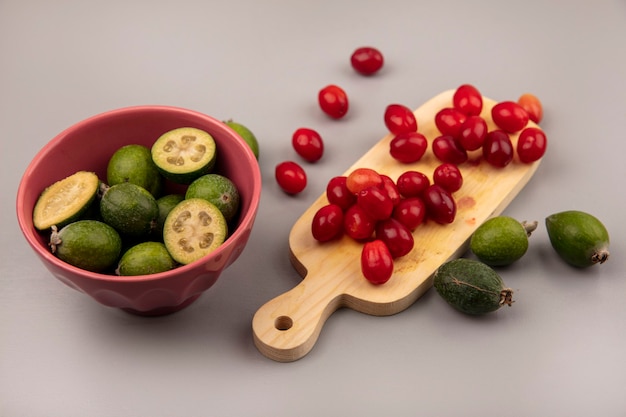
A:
471	287
144	259
130	209
87	244
65	200
133	163
578	237
193	229
184	154
219	190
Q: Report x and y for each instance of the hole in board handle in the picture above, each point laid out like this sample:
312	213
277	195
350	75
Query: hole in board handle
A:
283	323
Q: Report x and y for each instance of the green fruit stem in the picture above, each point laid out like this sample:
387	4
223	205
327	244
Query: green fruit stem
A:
529	227
506	294
102	189
506	297
55	240
600	256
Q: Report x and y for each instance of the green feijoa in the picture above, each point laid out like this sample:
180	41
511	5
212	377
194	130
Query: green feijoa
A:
218	190
133	163
501	240
130	209
471	286
144	259
578	237
87	244
166	204
246	134
193	229
66	200
184	154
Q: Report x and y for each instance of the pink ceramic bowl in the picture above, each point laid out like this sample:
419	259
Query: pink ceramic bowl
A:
88	145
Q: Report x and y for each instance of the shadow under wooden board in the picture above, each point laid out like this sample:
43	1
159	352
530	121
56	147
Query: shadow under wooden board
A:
286	328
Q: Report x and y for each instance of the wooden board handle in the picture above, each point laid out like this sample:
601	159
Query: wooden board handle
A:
287	327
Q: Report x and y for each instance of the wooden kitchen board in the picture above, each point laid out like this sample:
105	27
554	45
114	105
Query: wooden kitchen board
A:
287	327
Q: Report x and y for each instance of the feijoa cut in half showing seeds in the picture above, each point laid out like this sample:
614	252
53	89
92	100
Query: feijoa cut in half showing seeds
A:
578	237
184	154
130	209
501	240
219	190
144	259
65	200
193	229
87	244
133	163
471	286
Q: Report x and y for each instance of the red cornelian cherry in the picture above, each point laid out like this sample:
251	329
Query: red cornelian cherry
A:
408	147
308	144
468	100
509	116
327	223
449	120
448	176
375	203
400	119
362	178
357	223
498	149
396	236
290	177
337	192
390	187
473	132
531	145
410	212
440	205
412	183
376	262
532	105
448	149
367	60
333	101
